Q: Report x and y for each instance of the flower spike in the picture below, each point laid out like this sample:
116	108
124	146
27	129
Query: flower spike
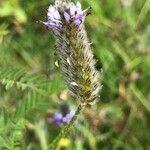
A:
73	49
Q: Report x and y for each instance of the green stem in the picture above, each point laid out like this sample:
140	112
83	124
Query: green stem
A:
66	129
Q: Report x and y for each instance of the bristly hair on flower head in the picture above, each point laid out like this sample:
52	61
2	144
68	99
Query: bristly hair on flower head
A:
73	49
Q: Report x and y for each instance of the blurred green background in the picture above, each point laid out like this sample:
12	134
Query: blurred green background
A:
32	87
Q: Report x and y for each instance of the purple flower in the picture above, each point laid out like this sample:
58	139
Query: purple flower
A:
76	13
54	19
72	12
59	118
68	117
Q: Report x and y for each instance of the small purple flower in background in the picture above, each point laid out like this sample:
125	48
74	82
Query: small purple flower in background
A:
57	118
57	16
68	117
60	118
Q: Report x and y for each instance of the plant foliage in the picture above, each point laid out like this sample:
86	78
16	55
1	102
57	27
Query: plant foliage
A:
32	89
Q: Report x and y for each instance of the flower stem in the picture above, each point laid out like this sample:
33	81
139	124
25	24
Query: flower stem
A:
66	129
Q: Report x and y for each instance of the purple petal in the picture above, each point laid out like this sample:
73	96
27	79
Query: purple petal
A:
77	21
65	120
57	118
48	23
68	116
51	24
45	23
67	16
58	25
78	16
